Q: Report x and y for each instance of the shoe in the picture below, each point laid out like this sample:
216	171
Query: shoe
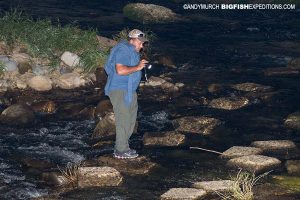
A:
125	155
130	150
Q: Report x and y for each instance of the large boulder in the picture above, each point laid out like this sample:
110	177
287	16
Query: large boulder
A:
70	59
98	177
149	13
239	151
70	81
40	83
183	194
229	103
169	138
198	125
293	121
139	165
17	114
254	163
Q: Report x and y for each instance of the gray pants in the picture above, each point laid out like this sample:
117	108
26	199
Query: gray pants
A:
125	118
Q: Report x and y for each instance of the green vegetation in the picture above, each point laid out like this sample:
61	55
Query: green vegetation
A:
2	68
290	182
41	39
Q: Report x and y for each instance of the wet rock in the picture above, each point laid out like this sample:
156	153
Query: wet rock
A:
104	107
169	138
255	163
276	146
139	165
229	103
149	13
70	81
293	121
40	83
239	151
198	125
294	63
293	166
214	186
252	87
21	57
155	81
70	59
281	71
17	114
98	177
75	111
55	179
44	107
183	194
106	126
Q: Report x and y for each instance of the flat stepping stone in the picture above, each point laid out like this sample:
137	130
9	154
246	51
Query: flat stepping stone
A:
276	146
239	151
98	177
214	186
183	194
293	166
229	103
198	125
136	166
169	138
254	163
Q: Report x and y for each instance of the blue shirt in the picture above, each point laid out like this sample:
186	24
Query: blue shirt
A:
125	54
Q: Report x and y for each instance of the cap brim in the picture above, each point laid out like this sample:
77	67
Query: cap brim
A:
142	39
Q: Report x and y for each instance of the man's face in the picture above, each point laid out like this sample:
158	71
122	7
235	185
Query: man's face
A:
138	44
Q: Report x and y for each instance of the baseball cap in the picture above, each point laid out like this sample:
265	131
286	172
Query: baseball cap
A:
135	33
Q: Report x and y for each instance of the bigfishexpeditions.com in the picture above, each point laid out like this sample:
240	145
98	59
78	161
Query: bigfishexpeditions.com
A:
239	6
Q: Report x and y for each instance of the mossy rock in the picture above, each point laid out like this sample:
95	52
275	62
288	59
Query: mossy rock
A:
289	182
149	13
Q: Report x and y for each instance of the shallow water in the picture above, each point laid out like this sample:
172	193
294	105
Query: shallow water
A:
226	48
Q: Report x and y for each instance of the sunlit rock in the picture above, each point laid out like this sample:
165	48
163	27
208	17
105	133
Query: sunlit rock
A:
40	83
294	63
44	107
139	165
21	57
293	121
155	81
70	81
281	71
252	87
255	163
21	84
17	114
70	59
98	177
198	125
169	138
183	194
293	166
214	186
239	151
279	147
229	103
149	13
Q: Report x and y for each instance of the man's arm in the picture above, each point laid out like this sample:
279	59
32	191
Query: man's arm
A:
125	70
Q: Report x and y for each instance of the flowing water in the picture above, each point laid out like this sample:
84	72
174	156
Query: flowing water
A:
224	47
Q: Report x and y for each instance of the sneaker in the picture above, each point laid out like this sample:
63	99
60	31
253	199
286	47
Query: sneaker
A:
125	155
130	150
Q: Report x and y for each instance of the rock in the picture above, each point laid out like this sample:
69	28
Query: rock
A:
4	58
3	86
48	107
149	13
198	125
98	177
166	60
169	138
75	111
214	186
215	88
70	59
139	165
70	81
169	87
104	107
251	87
229	103
290	183
293	166
294	63
281	71
179	85
106	126
40	83
65	70
11	66
36	163
17	114
183	194
293	121
40	70
275	146
238	151
21	57
155	81
106	43
21	84
55	179
255	163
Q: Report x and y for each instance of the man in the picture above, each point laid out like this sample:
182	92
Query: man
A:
123	68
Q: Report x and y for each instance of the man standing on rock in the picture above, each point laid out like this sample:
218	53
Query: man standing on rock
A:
123	68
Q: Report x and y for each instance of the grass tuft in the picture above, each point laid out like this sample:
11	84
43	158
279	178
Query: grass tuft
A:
70	173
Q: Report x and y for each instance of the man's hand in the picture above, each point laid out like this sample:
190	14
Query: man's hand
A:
142	64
